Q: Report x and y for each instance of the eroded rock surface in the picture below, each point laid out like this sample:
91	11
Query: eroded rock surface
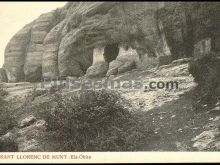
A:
99	69
61	43
3	76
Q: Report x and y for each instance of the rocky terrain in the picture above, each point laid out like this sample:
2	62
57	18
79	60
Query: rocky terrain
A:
63	42
169	114
117	41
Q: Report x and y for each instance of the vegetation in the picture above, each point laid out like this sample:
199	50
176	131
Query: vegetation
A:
6	117
36	93
95	121
7	122
205	71
3	92
58	16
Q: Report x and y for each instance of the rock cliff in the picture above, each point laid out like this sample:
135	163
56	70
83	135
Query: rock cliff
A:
61	43
186	24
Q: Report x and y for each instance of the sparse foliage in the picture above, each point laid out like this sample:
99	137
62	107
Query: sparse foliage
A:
3	92
7	120
95	121
205	71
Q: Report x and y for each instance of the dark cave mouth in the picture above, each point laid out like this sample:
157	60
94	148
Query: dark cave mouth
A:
111	52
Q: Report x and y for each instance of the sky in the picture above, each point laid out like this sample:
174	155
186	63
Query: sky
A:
15	15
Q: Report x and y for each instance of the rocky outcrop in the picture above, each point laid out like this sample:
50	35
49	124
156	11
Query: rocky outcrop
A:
209	139
205	140
36	47
61	43
50	54
15	53
187	23
27	121
29	137
126	61
99	69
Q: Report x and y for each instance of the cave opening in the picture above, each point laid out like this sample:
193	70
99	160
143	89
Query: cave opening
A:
111	52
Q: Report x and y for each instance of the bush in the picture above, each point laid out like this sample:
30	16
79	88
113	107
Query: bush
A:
206	72
7	121
3	92
36	93
58	16
95	121
53	89
8	146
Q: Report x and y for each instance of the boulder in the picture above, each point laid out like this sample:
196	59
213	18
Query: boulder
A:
113	67
30	138
8	137
125	61
203	141
29	146
7	143
97	70
27	121
181	61
127	66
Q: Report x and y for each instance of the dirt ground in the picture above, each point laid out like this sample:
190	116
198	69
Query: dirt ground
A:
169	114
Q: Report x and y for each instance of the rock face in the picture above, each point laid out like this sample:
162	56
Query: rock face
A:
125	61
185	24
3	76
61	43
36	46
15	53
99	69
50	54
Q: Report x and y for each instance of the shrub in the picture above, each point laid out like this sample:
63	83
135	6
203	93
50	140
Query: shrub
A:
7	121
8	145
53	89
3	92
95	121
206	72
58	16
37	92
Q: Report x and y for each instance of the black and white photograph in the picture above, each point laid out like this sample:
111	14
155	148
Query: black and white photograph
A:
117	76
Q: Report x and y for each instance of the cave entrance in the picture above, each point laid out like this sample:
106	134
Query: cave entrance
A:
111	52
